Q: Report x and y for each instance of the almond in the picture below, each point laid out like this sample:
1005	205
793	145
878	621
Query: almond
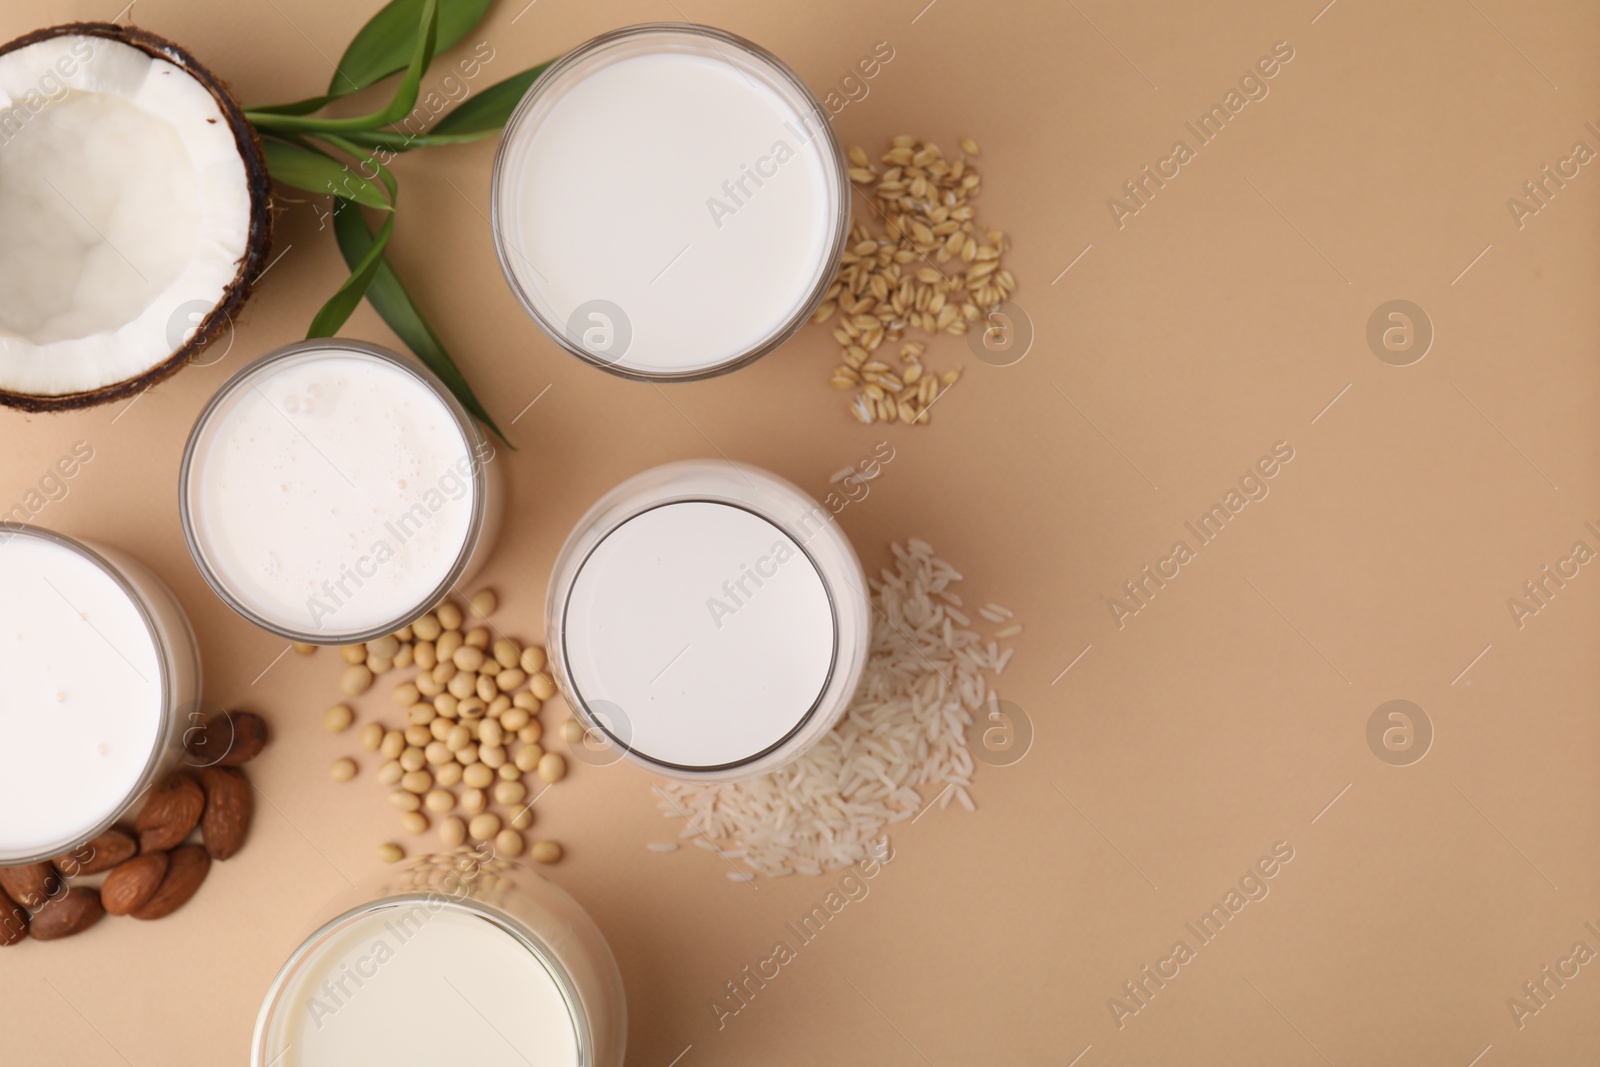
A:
229	807
188	868
227	739
171	812
30	886
13	921
133	882
72	912
97	856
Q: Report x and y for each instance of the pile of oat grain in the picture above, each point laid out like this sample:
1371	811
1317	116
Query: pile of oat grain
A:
927	266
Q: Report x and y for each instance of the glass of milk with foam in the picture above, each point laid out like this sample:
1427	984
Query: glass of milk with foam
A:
707	620
458	958
334	491
101	679
670	202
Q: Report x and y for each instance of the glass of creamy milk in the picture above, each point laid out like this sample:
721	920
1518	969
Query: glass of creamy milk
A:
670	202
707	620
333	491
101	674
459	958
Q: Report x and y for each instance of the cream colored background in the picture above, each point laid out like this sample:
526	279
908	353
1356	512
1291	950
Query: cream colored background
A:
1225	717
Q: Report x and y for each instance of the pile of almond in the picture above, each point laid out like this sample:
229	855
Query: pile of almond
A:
470	730
151	869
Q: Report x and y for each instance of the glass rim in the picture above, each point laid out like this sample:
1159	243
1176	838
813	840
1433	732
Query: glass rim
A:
472	436
581	703
308	950
164	663
839	172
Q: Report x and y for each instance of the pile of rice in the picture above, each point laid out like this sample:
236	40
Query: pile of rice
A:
925	676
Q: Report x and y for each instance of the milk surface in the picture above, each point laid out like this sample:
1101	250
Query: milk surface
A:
81	700
333	495
428	984
680	189
708	626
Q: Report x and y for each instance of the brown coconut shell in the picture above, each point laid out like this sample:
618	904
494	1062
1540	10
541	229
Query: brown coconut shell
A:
257	246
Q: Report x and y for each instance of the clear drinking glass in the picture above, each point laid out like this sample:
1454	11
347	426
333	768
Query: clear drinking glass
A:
451	958
172	646
708	620
370	538
662	236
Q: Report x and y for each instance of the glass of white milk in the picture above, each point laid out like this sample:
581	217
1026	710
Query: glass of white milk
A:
458	958
707	620
101	674
333	491
670	202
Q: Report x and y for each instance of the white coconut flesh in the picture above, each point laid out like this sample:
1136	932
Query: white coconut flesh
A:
124	213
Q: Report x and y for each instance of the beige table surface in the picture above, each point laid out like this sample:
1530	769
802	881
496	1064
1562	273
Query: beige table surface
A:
1229	313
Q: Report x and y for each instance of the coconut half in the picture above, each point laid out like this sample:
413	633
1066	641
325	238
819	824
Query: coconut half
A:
134	213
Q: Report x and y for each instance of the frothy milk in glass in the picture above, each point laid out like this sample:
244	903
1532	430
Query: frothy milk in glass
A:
332	491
